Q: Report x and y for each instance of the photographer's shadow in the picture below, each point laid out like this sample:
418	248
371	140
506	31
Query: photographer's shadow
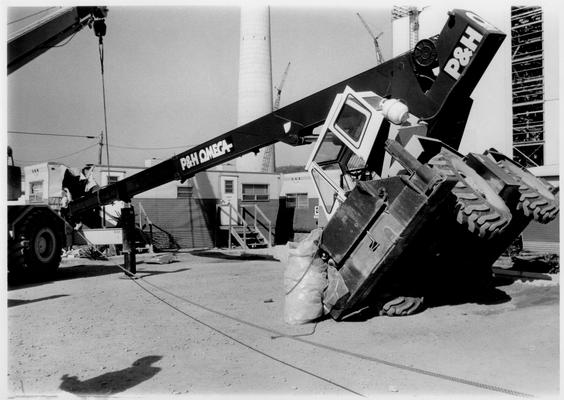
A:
112	382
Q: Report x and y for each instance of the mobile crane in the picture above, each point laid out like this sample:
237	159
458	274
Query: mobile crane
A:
405	196
35	232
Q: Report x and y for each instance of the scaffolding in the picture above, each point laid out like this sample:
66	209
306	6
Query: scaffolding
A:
527	85
413	13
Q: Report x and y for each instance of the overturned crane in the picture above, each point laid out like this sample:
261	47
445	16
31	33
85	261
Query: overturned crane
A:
406	204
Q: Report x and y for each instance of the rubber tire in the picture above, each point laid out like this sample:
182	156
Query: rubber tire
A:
536	200
478	206
45	234
402	305
16	255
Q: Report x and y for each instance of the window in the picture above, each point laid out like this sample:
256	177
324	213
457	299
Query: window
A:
297	200
36	192
255	192
329	149
184	192
112	179
228	187
352	119
327	192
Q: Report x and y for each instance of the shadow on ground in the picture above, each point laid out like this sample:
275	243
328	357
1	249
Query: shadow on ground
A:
17	302
112	382
142	273
235	257
79	271
492	296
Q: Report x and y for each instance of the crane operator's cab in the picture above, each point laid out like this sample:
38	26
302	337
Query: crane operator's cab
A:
356	124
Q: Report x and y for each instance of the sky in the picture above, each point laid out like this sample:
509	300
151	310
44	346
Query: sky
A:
171	77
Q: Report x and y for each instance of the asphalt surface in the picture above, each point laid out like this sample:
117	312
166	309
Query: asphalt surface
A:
212	324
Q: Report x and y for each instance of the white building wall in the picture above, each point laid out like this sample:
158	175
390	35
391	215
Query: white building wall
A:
50	175
298	182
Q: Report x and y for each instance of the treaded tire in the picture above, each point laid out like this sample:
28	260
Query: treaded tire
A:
536	200
477	205
40	242
16	250
402	305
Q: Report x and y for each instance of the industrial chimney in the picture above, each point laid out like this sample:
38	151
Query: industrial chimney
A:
255	80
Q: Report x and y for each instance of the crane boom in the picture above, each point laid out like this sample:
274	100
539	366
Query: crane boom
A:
35	39
444	105
379	56
280	87
366	26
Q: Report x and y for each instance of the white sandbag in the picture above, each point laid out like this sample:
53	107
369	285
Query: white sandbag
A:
305	280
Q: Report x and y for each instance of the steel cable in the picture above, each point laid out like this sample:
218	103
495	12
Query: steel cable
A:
134	279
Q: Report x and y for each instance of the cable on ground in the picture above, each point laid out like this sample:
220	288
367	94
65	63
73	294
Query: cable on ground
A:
134	279
416	370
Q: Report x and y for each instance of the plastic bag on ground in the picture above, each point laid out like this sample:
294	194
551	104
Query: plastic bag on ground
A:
305	280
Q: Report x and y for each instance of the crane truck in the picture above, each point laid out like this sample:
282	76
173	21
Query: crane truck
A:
407	207
36	233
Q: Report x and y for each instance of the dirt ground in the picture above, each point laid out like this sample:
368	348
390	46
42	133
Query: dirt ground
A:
212	324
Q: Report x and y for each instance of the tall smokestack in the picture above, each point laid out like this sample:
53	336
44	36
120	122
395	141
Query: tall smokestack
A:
255	80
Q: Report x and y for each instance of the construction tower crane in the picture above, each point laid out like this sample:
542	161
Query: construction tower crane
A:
280	87
379	56
413	13
269	151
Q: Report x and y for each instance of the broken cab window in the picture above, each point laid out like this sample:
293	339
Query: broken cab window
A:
352	119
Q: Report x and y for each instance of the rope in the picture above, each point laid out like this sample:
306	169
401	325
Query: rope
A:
134	278
349	353
101	54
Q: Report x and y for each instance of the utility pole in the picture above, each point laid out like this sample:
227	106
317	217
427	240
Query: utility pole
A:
101	144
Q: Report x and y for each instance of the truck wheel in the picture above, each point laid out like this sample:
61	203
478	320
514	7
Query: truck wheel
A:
478	206
44	235
536	200
16	250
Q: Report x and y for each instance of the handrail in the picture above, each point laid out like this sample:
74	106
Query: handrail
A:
149	222
268	221
232	209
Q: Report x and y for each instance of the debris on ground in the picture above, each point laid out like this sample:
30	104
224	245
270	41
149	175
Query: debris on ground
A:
165	258
90	252
536	262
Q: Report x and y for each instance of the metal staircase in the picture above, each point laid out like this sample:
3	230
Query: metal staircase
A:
246	235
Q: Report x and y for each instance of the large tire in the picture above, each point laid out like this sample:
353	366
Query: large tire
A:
536	200
39	243
402	305
477	205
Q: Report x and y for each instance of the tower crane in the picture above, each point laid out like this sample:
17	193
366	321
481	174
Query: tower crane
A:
413	13
280	87
269	151
379	57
